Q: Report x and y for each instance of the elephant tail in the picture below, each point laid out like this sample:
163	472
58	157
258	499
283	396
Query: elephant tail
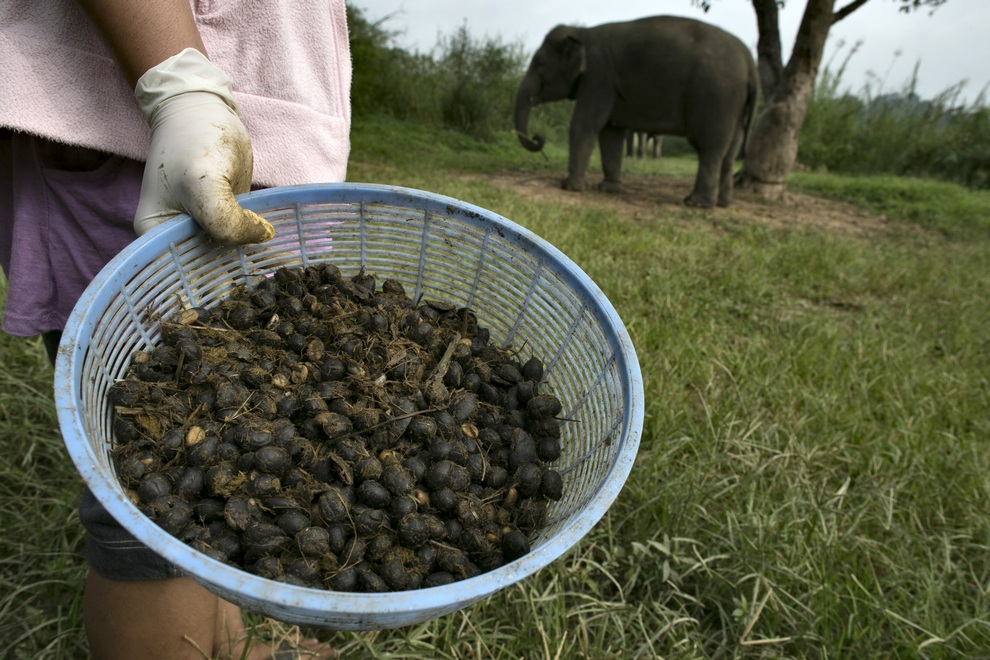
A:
749	110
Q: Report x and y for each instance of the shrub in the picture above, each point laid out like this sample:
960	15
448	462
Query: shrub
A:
385	78
880	132
477	82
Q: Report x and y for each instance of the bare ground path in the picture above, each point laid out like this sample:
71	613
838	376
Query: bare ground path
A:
644	198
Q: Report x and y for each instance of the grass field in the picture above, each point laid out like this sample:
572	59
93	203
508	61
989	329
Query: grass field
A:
813	476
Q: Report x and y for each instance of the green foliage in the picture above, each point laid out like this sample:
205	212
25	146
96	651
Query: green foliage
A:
882	132
385	78
466	85
478	82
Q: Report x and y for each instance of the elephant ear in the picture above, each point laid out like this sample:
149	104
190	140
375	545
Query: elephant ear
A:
573	57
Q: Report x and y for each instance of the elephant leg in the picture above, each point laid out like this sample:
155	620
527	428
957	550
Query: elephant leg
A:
582	144
610	143
706	183
726	181
590	116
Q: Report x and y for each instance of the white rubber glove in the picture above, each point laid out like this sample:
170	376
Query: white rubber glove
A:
200	154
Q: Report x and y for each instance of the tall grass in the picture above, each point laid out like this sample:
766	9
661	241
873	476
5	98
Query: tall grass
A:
465	83
41	563
880	130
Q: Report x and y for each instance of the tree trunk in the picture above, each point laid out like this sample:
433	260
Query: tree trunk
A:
773	144
769	59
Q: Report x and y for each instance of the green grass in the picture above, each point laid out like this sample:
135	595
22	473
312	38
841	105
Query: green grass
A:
41	564
812	476
952	209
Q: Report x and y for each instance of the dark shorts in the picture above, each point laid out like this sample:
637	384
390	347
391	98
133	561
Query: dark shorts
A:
113	552
43	185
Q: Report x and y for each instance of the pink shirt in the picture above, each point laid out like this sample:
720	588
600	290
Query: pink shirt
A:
289	62
59	224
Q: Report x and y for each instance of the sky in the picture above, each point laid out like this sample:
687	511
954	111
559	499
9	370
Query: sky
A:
949	47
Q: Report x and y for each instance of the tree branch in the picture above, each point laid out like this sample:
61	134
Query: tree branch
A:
848	9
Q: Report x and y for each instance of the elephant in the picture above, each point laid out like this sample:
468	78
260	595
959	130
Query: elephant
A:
662	74
639	144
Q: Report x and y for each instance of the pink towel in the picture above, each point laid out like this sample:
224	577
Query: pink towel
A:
289	62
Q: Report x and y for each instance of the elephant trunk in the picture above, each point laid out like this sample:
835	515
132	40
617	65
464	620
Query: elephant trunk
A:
525	100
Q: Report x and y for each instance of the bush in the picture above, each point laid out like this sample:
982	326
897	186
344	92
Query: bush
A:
878	132
467	85
477	82
386	80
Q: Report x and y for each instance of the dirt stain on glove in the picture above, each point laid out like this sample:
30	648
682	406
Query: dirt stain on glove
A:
249	228
228	223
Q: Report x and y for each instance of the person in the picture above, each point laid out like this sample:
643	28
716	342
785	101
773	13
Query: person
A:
116	116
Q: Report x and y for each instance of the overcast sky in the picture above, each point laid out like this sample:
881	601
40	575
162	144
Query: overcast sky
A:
950	46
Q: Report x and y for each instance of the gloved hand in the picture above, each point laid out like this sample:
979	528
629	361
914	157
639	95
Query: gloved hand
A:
200	154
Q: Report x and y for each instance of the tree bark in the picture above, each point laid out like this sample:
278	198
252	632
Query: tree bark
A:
769	59
773	144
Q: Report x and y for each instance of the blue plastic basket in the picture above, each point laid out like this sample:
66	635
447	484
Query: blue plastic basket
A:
523	289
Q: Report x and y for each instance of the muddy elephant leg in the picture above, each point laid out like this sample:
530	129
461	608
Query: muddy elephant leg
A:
706	182
610	143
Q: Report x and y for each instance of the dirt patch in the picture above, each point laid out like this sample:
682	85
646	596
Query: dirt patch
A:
646	198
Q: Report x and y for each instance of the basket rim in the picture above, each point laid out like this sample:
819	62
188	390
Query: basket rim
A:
75	341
